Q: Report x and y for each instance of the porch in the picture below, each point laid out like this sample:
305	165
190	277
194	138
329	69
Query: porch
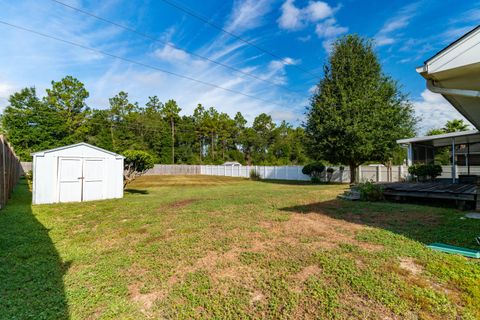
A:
458	154
463	195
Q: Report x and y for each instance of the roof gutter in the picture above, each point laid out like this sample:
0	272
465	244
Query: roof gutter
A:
453	92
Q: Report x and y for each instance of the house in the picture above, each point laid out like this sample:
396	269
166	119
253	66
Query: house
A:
77	172
454	72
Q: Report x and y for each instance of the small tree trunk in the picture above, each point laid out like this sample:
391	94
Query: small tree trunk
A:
213	145
353	173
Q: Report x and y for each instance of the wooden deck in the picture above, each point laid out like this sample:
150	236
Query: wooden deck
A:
435	190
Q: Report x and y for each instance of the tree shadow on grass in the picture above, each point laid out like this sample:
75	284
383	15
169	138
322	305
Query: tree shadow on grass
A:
31	270
422	223
289	182
136	191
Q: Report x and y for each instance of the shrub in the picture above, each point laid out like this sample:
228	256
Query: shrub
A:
255	175
370	191
29	178
136	163
314	170
424	171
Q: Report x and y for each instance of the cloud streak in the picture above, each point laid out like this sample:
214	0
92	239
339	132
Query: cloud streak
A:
388	34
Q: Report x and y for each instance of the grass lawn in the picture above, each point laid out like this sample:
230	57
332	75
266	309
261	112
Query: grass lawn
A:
214	247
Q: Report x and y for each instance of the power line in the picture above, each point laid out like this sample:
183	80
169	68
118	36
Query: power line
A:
151	38
233	35
136	62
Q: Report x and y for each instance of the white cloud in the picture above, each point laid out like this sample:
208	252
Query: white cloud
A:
247	15
37	61
434	111
294	18
318	10
305	38
329	29
276	69
6	89
291	18
171	54
388	33
289	116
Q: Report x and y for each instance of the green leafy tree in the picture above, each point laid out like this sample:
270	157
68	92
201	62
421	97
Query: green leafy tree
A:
67	99
125	131
263	127
455	125
28	123
170	112
357	112
435	131
136	164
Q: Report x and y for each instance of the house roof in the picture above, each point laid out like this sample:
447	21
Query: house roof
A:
445	139
454	72
452	44
77	145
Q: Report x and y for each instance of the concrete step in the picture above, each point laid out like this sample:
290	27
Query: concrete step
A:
350	195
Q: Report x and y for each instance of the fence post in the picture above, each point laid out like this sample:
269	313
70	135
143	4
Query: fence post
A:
377	174
359	172
400	172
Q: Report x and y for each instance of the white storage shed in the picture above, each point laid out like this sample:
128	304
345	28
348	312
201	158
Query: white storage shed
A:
77	172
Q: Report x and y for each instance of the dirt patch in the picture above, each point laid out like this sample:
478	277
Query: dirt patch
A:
355	306
145	300
327	232
177	204
257	297
209	263
302	276
411	266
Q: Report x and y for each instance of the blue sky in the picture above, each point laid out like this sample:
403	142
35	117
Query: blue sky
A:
299	32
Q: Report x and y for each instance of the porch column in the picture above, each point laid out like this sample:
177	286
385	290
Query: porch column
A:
409	155
454	173
467	160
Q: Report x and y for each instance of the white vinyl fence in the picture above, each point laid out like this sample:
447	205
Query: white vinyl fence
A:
365	173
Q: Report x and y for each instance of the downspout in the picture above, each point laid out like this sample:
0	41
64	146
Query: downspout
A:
454	92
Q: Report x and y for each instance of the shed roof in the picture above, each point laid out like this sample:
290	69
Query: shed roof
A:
77	145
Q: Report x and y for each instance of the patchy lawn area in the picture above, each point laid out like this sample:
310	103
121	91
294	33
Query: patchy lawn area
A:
213	247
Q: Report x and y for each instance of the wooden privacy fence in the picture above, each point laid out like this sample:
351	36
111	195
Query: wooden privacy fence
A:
365	173
10	171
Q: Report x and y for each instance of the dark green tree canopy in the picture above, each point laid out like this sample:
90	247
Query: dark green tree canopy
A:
206	136
357	112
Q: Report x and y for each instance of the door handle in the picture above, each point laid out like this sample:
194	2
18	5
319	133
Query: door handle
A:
81	178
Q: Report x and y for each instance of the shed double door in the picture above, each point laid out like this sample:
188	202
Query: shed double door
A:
80	179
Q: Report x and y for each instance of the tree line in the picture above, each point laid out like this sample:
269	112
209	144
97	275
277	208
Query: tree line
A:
207	136
356	115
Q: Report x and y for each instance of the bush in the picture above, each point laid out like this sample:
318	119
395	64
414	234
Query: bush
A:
370	191
136	163
29	178
424	171
314	170
255	175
